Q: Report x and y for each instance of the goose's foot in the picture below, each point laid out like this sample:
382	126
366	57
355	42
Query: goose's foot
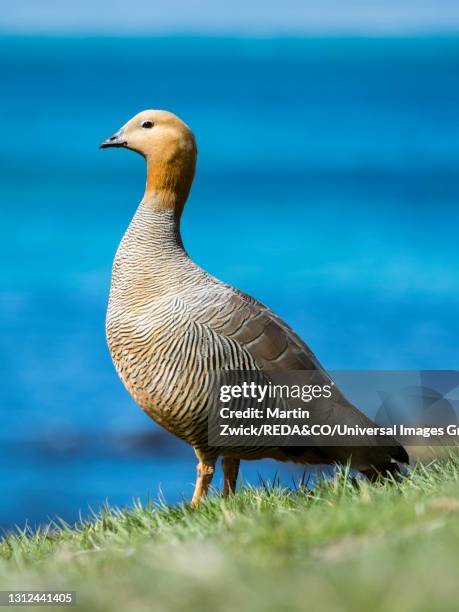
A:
230	467
205	472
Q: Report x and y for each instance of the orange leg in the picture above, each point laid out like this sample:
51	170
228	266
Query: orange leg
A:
230	467
205	472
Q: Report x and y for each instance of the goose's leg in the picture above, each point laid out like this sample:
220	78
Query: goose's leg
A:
205	472
230	467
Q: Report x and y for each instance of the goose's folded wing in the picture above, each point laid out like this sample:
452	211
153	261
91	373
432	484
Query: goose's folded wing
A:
256	329
274	347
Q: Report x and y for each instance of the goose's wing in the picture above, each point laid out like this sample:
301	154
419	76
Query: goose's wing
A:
256	329
273	346
271	343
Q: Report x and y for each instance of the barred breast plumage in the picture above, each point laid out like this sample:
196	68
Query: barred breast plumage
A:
163	324
170	323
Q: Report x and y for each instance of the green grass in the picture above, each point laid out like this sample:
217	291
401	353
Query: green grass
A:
346	546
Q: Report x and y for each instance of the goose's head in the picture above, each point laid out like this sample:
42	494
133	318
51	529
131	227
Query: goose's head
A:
169	147
154	133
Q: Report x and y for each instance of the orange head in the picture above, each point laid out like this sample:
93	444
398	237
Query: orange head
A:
169	147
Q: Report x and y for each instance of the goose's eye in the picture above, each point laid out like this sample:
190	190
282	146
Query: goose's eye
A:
147	124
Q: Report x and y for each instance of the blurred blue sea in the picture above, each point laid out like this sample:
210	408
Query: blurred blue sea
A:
327	186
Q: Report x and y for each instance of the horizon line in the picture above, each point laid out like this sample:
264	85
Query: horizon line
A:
258	33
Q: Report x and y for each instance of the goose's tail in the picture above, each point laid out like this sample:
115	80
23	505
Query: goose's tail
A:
371	462
374	461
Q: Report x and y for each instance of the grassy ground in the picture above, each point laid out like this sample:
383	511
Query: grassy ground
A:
346	546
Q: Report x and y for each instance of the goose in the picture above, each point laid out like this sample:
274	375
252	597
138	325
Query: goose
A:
169	322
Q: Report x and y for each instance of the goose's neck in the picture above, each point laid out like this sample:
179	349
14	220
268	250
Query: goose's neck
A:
150	261
154	232
169	182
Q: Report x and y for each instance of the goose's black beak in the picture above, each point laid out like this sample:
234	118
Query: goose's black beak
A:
117	140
